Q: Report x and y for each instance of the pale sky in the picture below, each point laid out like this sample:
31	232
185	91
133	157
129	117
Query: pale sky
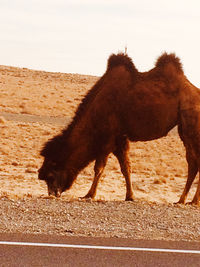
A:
77	36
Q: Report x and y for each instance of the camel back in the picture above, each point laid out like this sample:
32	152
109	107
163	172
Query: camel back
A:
168	64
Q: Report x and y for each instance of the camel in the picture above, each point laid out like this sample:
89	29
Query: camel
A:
125	105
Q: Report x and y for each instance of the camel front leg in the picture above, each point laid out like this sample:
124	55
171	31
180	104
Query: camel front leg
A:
192	171
98	169
122	155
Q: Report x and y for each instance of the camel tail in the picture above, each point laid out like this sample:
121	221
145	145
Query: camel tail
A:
121	59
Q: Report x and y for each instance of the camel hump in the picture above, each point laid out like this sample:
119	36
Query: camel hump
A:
121	59
166	60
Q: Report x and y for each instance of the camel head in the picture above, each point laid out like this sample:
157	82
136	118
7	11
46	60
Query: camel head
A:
58	179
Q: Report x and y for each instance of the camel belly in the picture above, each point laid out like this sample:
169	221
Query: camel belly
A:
150	123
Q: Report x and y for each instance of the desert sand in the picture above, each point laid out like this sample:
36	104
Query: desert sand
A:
159	168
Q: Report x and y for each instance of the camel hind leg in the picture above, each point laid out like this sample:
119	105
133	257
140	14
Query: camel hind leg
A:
196	199
121	153
192	171
99	166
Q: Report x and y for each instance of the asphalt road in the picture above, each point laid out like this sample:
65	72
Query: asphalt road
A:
41	250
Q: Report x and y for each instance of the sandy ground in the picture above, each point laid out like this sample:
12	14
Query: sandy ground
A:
159	167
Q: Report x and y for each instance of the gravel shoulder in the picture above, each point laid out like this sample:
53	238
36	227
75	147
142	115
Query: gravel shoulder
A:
138	220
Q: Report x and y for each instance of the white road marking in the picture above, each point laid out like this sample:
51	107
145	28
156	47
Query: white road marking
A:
99	247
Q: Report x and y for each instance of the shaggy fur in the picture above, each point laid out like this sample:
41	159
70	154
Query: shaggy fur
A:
125	105
53	146
166	59
121	60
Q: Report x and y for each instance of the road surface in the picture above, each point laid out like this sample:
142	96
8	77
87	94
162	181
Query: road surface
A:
41	250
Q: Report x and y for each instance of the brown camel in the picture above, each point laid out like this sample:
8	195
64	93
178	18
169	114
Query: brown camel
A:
125	105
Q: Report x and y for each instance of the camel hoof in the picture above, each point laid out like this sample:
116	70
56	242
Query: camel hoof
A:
179	203
129	199
193	203
86	197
